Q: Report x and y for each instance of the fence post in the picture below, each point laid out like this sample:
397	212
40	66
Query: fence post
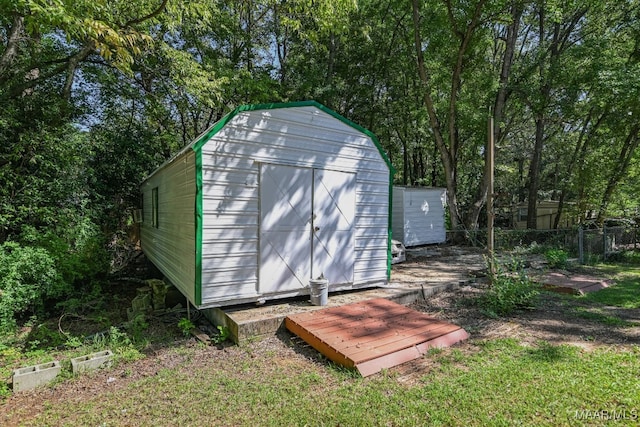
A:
580	245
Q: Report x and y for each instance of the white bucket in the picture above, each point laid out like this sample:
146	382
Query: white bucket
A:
319	291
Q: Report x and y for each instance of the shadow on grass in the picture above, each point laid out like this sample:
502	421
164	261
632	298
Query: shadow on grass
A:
547	352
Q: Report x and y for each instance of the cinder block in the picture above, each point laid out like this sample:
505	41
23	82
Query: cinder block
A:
31	377
91	361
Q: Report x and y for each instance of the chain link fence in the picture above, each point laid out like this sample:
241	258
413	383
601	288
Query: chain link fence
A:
588	245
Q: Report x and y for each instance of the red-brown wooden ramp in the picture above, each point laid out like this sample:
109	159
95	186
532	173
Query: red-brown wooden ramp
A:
572	283
372	335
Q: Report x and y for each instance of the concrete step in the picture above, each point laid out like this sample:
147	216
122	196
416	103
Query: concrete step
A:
251	322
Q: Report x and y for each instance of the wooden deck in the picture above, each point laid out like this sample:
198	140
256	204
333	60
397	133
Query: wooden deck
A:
572	284
372	335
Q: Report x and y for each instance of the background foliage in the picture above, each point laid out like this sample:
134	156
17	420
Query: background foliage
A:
96	94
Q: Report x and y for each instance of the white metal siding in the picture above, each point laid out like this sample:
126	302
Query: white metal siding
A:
302	137
397	215
171	246
418	215
230	226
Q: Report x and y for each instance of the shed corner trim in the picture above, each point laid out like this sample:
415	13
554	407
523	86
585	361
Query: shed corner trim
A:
199	217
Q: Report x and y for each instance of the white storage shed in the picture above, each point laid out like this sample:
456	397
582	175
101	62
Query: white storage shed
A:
268	198
418	215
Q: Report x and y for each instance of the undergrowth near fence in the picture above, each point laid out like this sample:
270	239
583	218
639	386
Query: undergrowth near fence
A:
510	289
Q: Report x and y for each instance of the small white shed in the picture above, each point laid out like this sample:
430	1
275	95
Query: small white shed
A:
418	215
267	198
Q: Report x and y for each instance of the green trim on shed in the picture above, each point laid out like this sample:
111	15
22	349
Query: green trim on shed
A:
199	217
202	140
389	232
256	107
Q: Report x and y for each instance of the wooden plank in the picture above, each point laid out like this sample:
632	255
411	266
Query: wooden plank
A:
352	314
374	330
372	335
390	360
394	333
382	333
318	344
369	325
387	361
402	341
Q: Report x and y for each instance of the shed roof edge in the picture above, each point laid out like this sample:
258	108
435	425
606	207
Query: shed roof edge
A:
201	139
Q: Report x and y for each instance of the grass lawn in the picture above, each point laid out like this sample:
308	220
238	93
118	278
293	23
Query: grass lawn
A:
495	382
626	292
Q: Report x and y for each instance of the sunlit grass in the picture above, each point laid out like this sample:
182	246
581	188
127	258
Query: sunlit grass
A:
625	292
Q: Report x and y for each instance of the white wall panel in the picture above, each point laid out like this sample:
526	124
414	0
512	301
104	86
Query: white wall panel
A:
171	246
418	215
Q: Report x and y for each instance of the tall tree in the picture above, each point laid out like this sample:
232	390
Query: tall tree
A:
468	24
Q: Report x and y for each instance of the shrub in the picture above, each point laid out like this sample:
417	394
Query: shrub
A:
79	255
626	257
186	326
509	291
28	275
557	258
40	267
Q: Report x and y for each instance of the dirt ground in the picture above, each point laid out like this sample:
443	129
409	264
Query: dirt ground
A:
553	322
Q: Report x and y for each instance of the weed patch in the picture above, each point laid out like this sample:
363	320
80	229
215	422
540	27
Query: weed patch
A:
556	258
510	290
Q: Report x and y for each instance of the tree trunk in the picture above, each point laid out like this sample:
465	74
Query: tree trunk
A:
434	169
480	198
559	42
534	174
447	160
72	66
507	61
11	51
405	161
620	169
448	152
579	154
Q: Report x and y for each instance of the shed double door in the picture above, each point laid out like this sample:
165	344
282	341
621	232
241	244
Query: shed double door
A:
306	227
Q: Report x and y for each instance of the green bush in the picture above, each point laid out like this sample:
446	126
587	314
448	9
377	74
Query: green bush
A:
626	257
186	326
28	275
42	267
557	258
79	256
509	291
